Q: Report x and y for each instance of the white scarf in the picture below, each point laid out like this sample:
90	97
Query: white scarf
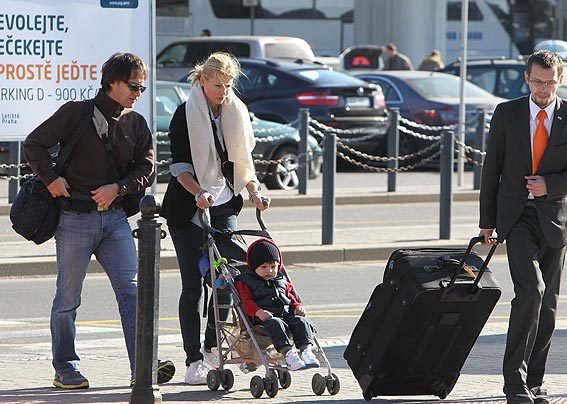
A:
238	139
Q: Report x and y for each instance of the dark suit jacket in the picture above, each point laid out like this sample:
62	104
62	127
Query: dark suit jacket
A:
503	193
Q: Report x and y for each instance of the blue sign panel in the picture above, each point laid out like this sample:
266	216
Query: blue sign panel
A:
119	3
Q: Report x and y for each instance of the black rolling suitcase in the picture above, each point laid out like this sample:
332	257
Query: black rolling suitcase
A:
422	321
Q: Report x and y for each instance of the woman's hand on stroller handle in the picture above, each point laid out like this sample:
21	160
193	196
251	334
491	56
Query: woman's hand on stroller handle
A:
260	202
205	200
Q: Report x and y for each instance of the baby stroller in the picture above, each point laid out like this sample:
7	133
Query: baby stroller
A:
238	340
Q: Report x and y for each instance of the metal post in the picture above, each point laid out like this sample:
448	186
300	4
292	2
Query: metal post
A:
480	144
461	127
328	198
446	194
303	160
393	147
149	234
14	157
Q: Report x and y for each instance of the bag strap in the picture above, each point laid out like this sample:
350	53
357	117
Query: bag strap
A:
64	154
220	151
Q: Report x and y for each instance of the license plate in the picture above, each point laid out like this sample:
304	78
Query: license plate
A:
358	102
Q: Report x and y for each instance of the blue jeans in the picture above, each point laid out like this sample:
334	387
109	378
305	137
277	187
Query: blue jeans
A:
108	236
188	241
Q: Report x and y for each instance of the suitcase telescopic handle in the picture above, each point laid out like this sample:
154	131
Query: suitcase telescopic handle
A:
472	243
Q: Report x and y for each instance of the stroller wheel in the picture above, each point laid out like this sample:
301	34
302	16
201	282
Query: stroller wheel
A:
333	384
285	378
318	384
226	379
257	386
271	384
213	379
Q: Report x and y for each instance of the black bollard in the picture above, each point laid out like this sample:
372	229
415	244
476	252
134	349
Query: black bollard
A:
393	147
149	235
328	201
446	178
480	144
303	161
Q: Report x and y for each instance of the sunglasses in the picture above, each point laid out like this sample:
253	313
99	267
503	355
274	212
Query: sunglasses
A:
135	87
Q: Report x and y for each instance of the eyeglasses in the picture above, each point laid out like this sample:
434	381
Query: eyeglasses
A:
539	83
135	86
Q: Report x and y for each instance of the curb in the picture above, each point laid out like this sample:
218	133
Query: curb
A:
46	266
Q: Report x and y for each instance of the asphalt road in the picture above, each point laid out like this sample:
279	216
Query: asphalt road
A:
335	295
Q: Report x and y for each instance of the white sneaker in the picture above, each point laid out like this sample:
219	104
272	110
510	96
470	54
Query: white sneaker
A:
309	358
196	373
293	360
211	359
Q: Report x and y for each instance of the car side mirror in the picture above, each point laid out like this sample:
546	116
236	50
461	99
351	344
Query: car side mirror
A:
252	116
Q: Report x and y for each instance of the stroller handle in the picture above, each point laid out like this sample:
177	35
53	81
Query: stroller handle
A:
260	220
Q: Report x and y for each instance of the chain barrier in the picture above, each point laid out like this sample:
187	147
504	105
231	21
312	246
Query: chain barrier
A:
417	135
355	131
425	127
321	135
384	169
469	149
16	177
12	166
386	159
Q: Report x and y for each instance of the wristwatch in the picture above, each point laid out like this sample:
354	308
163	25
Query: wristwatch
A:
122	190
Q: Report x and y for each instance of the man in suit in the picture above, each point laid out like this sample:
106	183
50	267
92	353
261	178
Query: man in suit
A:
524	198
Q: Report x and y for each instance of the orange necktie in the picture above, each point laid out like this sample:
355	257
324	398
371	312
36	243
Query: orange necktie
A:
540	140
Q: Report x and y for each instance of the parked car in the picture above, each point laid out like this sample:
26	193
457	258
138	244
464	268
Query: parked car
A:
276	90
367	57
500	77
176	59
274	141
432	99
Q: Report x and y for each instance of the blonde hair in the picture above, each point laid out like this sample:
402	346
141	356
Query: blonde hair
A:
221	64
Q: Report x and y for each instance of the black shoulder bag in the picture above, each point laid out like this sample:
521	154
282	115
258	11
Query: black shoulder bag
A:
35	213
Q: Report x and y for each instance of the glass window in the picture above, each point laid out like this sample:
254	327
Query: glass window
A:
288	50
172	8
293	9
454	11
323	76
188	54
390	93
173	56
483	77
444	87
511	82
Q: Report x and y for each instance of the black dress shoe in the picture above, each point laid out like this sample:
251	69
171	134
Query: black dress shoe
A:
518	394
539	394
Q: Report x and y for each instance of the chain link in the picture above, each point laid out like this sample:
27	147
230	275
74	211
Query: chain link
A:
355	131
385	159
16	177
11	166
470	149
410	132
387	169
425	127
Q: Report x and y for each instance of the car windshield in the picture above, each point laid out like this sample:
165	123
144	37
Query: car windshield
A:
445	87
325	77
288	50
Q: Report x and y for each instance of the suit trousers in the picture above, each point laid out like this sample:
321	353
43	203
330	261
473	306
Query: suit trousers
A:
535	269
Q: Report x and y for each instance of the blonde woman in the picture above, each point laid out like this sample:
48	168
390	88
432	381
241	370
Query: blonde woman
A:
211	148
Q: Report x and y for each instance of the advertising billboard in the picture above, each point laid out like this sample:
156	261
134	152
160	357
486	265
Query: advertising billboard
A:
52	52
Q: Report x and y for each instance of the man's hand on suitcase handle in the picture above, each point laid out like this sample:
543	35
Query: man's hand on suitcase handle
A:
487	235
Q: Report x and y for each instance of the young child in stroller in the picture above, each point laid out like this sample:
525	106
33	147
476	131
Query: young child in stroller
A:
268	298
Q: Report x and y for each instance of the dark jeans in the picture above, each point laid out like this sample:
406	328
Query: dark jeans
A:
188	241
280	328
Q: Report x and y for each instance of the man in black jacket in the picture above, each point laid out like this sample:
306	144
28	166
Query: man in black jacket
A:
524	198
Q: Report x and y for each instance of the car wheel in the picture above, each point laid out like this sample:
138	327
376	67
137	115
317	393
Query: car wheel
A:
284	175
